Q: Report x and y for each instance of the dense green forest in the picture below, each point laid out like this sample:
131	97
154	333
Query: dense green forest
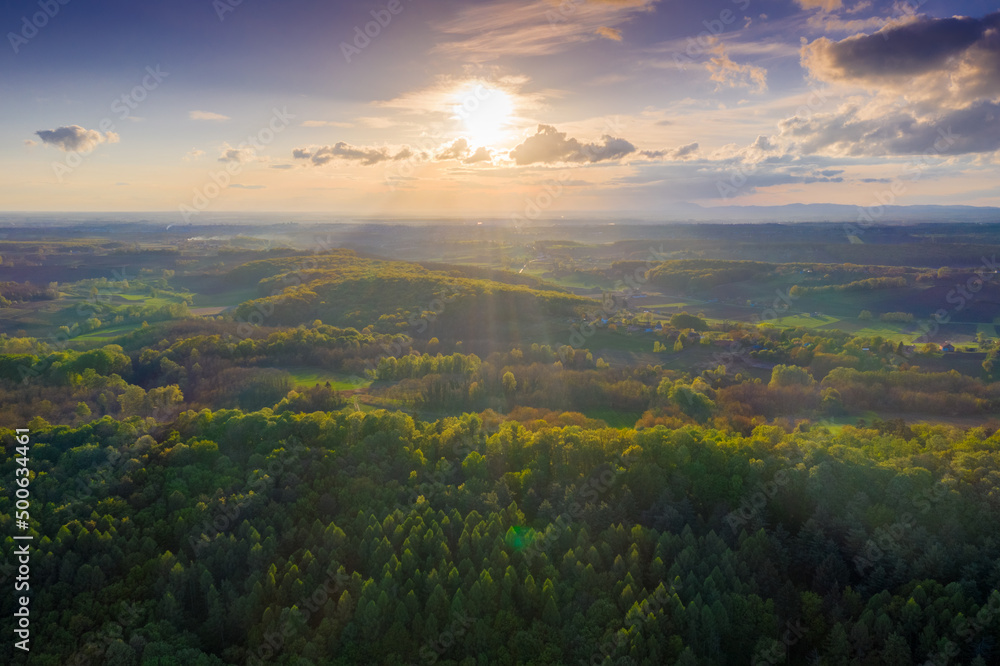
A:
362	460
225	536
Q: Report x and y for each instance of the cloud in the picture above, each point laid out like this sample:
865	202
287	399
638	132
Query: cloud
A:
193	154
460	150
236	155
682	153
967	48
929	80
456	151
367	156
825	5
727	73
550	146
248	187
206	115
535	28
282	166
325	123
613	34
75	138
832	23
29	143
848	132
482	154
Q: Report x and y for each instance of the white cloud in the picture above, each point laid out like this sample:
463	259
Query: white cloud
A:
535	28
75	138
614	34
550	146
482	154
206	115
726	72
325	123
237	155
367	156
456	151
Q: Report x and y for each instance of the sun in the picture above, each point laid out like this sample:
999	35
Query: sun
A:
484	113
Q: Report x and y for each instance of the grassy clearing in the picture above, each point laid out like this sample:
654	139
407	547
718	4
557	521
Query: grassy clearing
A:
805	321
225	299
657	304
110	332
605	339
991	331
305	377
889	331
613	418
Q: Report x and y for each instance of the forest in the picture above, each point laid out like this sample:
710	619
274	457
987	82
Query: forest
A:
259	455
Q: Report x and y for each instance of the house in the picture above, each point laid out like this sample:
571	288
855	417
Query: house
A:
948	347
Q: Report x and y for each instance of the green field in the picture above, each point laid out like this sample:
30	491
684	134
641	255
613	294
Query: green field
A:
990	330
614	418
605	339
109	332
305	377
804	321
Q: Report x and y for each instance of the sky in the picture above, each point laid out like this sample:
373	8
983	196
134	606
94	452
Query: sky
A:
534	109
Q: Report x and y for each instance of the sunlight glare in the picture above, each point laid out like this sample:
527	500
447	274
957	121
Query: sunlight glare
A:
485	114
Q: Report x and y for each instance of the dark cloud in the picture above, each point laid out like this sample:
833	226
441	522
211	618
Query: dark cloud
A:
550	146
945	70
682	153
343	151
903	51
975	129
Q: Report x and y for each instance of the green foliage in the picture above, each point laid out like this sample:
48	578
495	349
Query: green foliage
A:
261	523
195	505
790	375
683	320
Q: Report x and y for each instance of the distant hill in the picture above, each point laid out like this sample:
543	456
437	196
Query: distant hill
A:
829	213
343	288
